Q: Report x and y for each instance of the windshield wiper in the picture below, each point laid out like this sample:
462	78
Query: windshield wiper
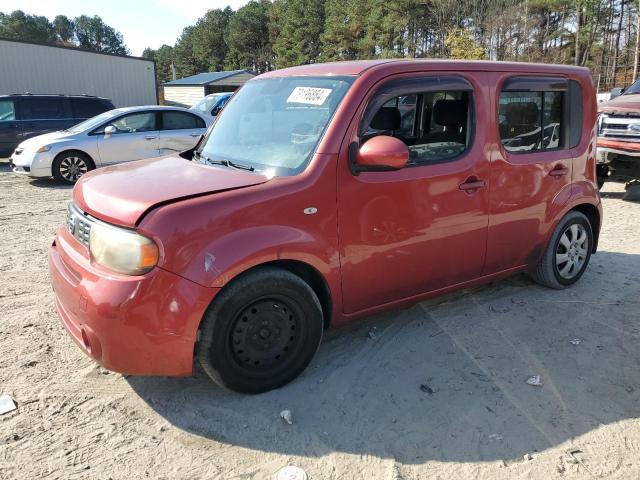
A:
224	162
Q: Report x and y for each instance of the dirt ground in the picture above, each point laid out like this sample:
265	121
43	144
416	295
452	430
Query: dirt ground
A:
359	411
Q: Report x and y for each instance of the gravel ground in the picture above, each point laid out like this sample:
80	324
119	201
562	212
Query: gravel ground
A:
359	411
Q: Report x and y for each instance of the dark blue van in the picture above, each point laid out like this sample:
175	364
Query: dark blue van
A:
26	115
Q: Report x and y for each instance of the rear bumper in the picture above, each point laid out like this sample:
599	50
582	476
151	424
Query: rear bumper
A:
144	325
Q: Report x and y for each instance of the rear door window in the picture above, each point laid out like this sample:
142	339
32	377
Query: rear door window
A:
531	121
7	111
87	107
42	108
181	121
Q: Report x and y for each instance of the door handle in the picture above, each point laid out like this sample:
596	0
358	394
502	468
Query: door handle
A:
150	137
558	171
472	185
194	135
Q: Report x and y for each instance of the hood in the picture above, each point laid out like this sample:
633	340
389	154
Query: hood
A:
621	104
122	194
38	141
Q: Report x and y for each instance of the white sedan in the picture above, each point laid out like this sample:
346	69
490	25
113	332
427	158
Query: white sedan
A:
116	136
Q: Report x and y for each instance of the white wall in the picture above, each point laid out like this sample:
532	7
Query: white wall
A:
184	96
43	69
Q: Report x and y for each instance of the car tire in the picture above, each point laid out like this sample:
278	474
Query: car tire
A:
69	166
567	254
602	173
260	332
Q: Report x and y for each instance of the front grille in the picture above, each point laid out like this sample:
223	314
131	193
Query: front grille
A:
78	224
622	128
615	126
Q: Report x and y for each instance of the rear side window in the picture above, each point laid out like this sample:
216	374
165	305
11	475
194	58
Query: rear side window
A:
7	111
87	107
533	113
180	121
531	121
42	108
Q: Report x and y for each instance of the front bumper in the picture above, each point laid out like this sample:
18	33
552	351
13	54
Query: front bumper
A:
142	325
620	147
32	164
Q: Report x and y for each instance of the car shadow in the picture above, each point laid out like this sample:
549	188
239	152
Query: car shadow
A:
49	183
446	379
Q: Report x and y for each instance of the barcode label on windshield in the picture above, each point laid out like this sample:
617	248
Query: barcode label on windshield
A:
309	95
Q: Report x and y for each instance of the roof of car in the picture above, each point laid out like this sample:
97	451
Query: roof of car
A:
207	77
152	107
51	95
358	67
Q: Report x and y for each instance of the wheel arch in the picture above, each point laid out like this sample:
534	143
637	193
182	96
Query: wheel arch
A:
593	214
69	150
308	273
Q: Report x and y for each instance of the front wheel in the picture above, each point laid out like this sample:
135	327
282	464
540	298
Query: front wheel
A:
261	331
602	172
567	255
68	167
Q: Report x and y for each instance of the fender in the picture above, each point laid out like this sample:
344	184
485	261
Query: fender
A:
214	238
580	193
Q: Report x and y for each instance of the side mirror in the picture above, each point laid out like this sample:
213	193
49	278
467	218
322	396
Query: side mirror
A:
108	131
381	153
616	92
215	111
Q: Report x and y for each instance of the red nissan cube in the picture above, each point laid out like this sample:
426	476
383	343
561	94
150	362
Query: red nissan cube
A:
324	193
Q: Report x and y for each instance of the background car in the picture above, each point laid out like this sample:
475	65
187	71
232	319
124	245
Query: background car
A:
212	104
119	135
23	116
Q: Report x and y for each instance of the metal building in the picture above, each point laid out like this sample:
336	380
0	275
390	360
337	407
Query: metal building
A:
36	68
186	92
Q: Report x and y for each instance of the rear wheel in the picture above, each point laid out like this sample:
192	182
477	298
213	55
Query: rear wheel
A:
68	167
261	331
567	254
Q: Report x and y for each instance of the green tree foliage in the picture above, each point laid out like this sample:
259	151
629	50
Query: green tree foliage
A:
599	34
93	34
64	29
21	26
90	33
344	30
248	38
209	46
462	46
298	26
186	62
163	57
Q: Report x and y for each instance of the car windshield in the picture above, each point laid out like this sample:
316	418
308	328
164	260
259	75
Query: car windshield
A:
93	122
275	124
634	89
207	103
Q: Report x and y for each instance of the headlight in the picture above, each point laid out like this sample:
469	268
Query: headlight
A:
121	250
43	149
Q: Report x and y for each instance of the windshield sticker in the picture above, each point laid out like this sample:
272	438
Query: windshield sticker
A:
309	95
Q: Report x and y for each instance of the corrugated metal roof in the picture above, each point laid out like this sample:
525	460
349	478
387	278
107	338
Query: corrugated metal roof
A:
207	78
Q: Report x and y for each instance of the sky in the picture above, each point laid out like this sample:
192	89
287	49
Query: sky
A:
143	23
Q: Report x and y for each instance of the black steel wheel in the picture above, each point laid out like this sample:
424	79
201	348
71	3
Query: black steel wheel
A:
261	331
